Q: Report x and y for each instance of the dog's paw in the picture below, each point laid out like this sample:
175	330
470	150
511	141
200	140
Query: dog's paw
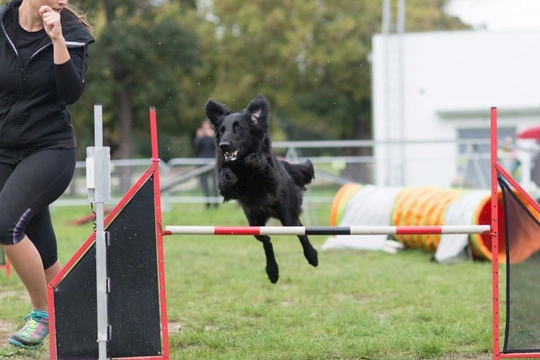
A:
255	161
228	179
273	273
228	194
312	256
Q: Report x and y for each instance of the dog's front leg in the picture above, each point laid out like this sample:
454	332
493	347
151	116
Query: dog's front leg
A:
256	161
272	269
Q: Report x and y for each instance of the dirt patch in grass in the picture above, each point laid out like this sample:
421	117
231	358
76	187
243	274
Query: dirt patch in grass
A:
466	357
6	328
174	327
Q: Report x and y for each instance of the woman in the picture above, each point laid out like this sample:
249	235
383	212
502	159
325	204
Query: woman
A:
43	60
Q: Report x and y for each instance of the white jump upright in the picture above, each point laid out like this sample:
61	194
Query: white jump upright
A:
98	181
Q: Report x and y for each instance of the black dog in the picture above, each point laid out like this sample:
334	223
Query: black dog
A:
249	173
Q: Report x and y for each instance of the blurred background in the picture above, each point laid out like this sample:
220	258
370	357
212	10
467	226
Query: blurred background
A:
387	92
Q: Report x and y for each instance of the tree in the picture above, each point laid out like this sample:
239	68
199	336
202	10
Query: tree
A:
310	58
142	51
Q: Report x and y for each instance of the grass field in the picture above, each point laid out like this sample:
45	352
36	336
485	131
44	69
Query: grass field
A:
354	305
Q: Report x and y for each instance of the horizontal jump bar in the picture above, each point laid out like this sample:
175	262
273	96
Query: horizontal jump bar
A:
326	230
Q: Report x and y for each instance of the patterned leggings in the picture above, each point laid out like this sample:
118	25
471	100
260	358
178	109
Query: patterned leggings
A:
26	191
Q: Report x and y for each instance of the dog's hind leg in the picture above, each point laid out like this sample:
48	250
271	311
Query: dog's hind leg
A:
272	269
310	253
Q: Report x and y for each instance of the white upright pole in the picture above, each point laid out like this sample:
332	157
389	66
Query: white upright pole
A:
99	192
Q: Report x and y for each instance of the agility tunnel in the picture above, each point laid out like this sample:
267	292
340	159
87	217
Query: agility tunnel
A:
356	205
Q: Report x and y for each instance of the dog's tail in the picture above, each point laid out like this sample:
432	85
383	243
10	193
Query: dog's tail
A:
302	174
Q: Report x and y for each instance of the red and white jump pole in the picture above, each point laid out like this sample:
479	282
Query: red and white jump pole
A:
326	230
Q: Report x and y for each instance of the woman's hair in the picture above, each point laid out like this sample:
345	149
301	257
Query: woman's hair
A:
75	11
82	17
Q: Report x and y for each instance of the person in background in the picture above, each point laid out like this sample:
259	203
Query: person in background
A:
536	168
508	158
43	64
205	146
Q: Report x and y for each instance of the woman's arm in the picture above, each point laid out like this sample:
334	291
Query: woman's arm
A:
70	67
70	76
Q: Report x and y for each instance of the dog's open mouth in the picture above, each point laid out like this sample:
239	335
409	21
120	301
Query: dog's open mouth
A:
231	156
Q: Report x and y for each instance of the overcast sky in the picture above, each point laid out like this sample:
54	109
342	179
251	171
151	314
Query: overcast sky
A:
498	14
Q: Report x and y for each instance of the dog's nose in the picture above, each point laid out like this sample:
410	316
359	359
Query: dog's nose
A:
224	146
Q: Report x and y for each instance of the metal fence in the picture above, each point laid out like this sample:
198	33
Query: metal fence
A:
335	162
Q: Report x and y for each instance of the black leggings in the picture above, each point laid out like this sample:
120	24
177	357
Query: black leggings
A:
26	191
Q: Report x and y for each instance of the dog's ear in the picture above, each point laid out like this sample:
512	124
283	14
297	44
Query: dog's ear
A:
215	111
259	109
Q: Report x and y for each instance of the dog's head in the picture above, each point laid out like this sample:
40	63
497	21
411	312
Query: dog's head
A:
241	133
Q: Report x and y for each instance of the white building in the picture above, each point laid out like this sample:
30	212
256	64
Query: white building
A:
435	89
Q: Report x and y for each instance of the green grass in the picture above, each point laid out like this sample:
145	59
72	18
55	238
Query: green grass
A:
354	305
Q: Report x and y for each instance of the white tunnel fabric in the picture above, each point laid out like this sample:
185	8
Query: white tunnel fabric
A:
461	211
370	205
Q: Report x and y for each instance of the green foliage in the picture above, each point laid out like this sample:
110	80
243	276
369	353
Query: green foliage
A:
140	55
310	58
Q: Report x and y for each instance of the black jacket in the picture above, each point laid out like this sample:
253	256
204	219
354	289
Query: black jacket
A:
33	107
205	146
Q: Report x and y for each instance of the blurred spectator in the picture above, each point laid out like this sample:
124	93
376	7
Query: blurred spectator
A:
507	157
536	169
205	147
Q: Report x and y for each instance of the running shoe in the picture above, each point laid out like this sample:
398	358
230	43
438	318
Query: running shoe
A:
34	331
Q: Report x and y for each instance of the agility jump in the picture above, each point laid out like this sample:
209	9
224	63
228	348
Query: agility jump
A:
135	272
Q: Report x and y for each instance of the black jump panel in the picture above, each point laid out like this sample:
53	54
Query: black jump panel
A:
133	301
522	227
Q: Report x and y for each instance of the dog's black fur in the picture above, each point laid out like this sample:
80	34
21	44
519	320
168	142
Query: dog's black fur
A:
248	172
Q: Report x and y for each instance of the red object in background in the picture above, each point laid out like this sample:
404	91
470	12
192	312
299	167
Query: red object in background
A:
530	133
